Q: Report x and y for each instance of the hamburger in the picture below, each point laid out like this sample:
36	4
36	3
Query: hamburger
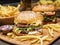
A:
28	22
48	11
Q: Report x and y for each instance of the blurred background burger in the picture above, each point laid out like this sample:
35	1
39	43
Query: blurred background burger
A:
47	9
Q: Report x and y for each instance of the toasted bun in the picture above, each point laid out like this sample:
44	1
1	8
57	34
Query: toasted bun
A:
28	17
45	8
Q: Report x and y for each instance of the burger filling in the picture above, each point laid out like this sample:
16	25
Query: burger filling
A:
49	16
26	28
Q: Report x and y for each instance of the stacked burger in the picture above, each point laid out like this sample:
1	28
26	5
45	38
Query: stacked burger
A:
47	9
27	22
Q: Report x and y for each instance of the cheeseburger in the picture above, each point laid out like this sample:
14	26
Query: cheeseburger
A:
27	22
47	10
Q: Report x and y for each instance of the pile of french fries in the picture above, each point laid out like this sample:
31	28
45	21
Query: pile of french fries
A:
52	27
7	11
39	39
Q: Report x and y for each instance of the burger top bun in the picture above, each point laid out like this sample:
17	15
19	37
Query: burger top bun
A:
43	8
28	17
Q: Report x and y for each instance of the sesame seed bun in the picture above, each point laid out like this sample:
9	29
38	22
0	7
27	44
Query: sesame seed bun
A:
28	17
45	8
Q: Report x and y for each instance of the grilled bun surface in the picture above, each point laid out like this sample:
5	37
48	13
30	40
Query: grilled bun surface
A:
28	17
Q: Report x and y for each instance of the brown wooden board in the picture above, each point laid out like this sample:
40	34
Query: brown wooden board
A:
14	41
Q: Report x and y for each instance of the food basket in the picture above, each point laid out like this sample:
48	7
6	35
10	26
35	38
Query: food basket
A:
7	14
6	20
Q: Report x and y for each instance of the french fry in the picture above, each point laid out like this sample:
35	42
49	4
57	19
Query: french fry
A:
24	39
43	39
28	36
34	41
51	32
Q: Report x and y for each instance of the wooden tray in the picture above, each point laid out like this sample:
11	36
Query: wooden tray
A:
14	41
